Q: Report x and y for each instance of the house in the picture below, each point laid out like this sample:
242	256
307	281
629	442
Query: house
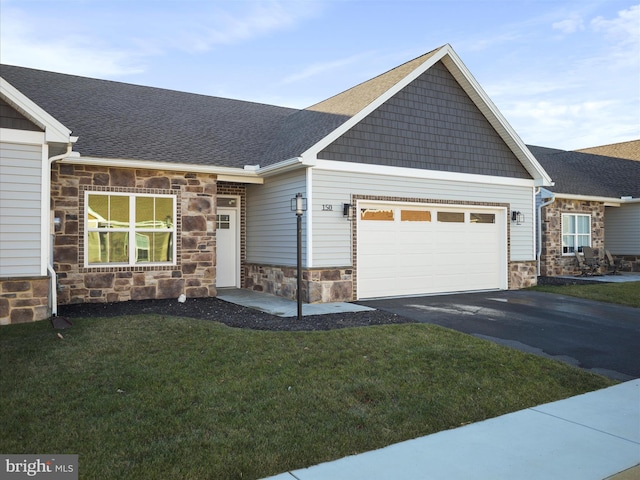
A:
595	202
414	183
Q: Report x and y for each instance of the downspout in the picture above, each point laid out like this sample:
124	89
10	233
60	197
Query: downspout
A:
539	246
54	277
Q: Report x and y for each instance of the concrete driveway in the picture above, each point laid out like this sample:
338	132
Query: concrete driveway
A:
596	336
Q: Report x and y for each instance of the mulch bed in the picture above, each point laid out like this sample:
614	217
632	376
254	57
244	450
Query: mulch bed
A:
230	314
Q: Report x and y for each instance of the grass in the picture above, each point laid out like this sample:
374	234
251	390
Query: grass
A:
627	293
152	396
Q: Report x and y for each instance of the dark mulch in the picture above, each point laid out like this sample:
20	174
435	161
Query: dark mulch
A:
228	313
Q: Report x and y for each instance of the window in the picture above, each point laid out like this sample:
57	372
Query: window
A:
385	215
129	229
415	216
482	218
451	217
576	232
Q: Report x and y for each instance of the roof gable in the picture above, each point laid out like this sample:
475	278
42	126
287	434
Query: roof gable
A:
429	124
360	97
54	130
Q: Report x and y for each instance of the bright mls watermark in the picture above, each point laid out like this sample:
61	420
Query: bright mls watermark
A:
50	467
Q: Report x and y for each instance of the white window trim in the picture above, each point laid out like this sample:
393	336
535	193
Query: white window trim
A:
574	217
131	229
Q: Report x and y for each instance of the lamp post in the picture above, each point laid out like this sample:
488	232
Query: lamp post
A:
299	205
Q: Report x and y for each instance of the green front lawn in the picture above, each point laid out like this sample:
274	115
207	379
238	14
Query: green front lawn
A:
173	398
622	293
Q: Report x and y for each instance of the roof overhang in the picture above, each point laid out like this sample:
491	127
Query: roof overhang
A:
463	76
608	201
55	132
247	174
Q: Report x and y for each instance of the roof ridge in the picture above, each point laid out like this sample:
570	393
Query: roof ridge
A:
354	99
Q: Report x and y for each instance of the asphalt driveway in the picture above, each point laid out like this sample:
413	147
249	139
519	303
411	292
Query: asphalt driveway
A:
596	336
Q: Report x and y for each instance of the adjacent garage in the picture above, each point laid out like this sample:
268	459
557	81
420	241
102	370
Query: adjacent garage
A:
411	249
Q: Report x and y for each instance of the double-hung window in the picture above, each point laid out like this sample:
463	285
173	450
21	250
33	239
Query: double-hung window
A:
129	229
576	232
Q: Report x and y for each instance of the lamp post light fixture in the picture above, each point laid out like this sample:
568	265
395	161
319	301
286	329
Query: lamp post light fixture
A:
299	205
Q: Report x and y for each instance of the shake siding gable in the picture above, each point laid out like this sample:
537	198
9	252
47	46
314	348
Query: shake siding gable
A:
430	124
20	209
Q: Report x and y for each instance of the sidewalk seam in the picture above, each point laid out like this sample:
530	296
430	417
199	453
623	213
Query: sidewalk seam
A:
585	426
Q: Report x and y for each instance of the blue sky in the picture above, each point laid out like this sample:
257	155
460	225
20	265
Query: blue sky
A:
565	74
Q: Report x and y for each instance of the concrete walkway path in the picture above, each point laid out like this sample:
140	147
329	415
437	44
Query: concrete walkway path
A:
594	436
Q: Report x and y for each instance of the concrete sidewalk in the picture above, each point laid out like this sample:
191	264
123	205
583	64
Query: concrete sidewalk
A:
283	307
594	436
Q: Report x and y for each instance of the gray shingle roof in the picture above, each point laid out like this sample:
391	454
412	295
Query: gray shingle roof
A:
119	120
586	174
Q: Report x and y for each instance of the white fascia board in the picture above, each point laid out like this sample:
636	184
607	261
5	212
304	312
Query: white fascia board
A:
422	174
24	137
477	94
610	201
228	173
284	166
54	130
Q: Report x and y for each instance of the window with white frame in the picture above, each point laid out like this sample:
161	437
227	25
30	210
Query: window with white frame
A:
576	232
129	229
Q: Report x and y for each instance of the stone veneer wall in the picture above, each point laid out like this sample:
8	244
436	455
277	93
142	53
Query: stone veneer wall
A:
319	285
24	300
522	275
194	271
552	262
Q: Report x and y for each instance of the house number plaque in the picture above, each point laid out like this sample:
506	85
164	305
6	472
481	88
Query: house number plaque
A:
327	208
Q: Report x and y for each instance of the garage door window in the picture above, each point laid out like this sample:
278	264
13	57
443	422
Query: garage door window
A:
451	217
384	215
415	216
482	218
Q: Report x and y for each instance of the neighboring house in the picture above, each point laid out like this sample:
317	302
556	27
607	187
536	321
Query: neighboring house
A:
595	201
629	150
414	182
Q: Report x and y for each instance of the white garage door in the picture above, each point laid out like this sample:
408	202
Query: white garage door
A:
406	249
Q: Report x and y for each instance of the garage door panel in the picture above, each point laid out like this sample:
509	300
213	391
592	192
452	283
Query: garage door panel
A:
424	255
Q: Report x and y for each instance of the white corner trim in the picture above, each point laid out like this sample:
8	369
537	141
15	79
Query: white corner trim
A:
54	130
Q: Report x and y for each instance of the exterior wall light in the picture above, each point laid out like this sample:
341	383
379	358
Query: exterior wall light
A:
517	218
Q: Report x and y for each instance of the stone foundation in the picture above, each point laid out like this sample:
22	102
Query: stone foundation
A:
24	300
319	285
522	275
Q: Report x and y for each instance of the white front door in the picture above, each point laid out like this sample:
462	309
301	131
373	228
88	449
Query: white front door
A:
227	248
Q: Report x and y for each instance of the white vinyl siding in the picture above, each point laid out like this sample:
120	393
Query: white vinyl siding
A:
271	225
332	232
622	229
20	210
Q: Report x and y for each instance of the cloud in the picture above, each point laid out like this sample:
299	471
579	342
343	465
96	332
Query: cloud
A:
239	22
323	68
623	30
570	25
27	42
